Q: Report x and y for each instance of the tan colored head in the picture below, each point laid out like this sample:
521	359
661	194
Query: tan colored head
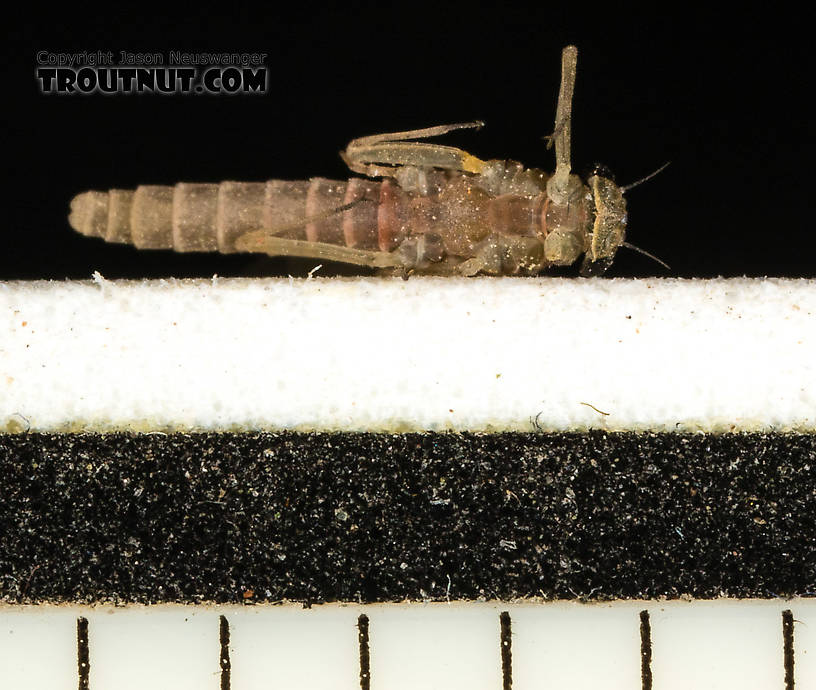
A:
608	231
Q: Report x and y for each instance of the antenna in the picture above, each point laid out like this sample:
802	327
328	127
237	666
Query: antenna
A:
648	177
644	252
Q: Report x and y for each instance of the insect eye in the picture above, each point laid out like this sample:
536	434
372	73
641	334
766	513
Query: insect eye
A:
601	170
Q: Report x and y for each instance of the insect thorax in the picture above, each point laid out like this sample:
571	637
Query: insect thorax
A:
502	221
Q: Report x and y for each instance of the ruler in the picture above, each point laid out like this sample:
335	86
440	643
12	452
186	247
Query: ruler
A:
723	644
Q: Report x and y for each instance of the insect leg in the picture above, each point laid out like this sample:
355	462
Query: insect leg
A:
264	242
562	186
377	155
423	133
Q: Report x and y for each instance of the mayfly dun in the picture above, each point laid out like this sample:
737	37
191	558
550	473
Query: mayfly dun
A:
421	208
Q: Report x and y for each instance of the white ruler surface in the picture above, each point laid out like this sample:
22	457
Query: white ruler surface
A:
423	354
724	644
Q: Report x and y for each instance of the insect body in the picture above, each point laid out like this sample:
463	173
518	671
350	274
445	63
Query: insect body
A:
435	210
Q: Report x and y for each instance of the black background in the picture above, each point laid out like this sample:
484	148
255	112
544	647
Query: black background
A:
725	98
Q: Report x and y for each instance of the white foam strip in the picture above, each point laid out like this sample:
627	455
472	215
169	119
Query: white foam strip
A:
727	644
427	353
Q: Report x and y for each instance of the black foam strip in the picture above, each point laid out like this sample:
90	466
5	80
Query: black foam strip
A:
376	517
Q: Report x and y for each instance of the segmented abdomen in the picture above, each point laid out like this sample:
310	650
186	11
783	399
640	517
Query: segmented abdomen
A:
459	212
210	217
